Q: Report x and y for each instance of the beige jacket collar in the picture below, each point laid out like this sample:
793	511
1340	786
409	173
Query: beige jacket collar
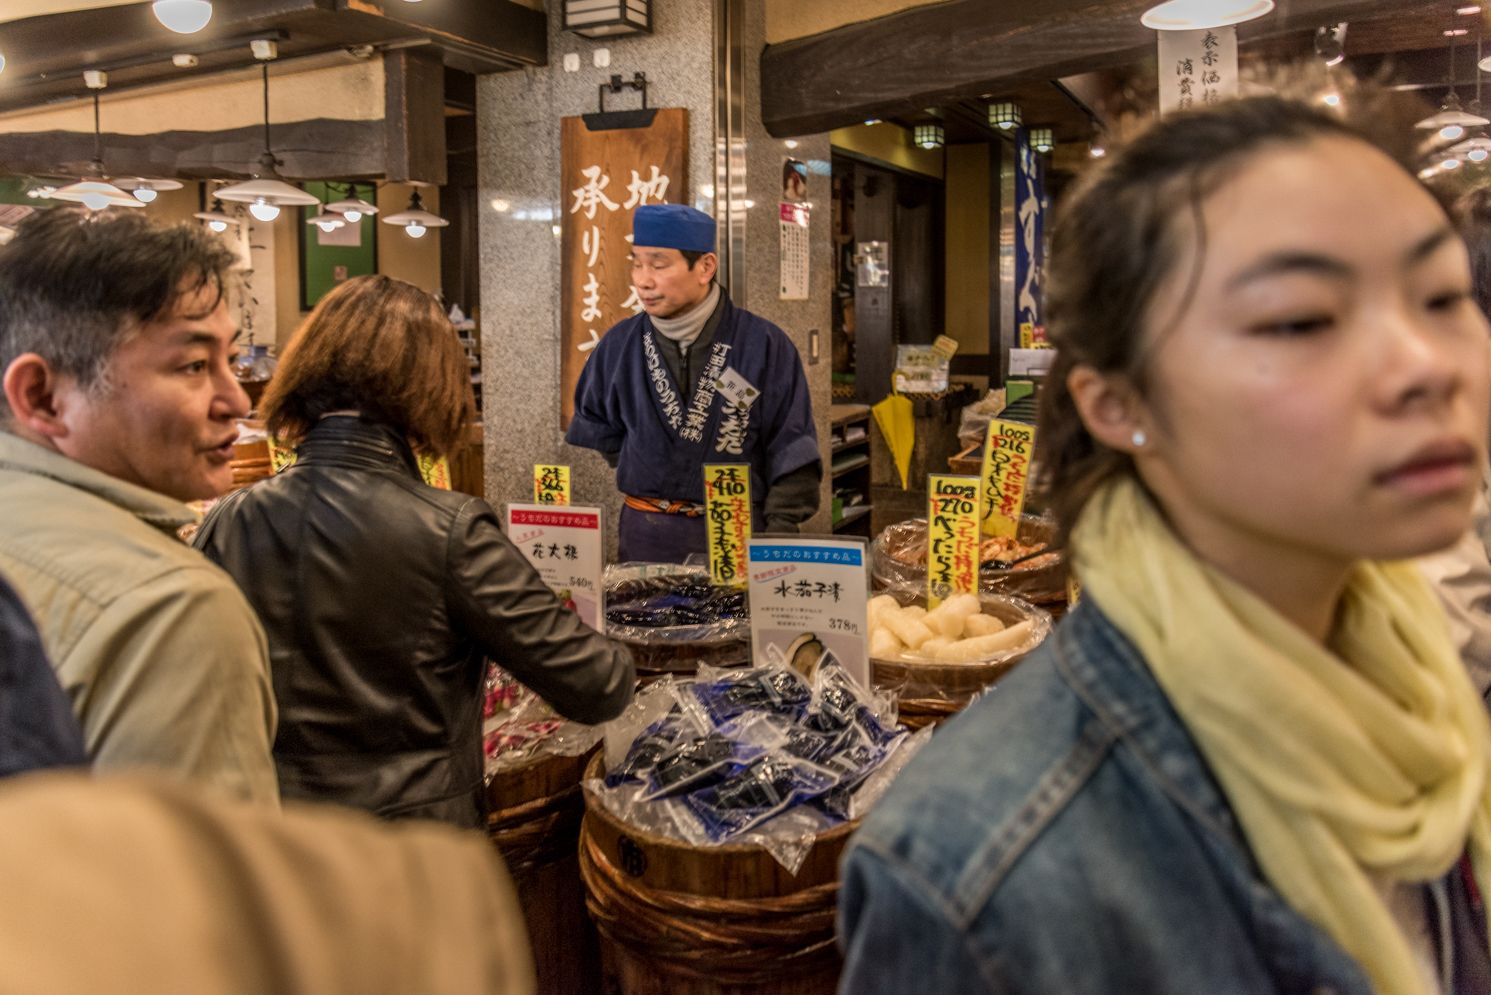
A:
156	509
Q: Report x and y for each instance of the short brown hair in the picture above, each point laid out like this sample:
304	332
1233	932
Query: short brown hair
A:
380	346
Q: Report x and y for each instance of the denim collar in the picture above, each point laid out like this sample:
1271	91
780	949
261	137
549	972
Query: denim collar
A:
353	442
1108	673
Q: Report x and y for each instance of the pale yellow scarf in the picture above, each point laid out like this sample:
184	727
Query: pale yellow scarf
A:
1366	757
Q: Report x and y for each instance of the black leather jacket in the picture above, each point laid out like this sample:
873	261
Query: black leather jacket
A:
382	598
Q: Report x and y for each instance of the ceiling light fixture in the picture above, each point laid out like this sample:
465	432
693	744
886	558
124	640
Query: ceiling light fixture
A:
1451	121
326	222
791	143
94	191
1189	15
1330	43
352	208
1097	151
217	219
1456	32
1450	164
145	190
1467	10
1041	139
1004	115
928	136
414	219
267	192
607	18
185	17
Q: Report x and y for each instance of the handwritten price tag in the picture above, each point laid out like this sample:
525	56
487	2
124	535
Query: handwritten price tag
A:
1007	452
727	504
952	536
550	484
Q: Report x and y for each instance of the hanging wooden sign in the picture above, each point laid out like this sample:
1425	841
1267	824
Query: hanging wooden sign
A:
604	177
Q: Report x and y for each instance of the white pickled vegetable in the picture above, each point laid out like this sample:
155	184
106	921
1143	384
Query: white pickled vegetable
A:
933	646
982	647
981	625
884	645
907	627
954	613
876	606
915	611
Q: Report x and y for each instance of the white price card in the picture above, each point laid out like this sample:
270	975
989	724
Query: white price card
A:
564	545
808	596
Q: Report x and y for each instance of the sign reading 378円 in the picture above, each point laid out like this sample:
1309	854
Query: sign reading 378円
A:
604	177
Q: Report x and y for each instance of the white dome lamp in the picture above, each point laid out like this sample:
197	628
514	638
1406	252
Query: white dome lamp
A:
415	219
267	192
94	191
145	190
352	208
325	221
1192	15
1451	121
185	17
217	219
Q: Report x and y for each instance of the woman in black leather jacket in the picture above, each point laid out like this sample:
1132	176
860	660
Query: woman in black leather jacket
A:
382	596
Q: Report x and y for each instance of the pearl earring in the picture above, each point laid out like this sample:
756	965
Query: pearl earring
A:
1140	438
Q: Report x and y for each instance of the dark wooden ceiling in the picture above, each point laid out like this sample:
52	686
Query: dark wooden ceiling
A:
45	56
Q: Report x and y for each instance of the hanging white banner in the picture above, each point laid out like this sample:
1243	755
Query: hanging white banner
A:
1197	68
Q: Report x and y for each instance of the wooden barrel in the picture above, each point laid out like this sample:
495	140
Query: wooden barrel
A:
931	692
657	660
536	807
677	919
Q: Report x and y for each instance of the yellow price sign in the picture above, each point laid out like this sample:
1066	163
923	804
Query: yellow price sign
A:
1008	449
953	507
435	470
550	484
727	514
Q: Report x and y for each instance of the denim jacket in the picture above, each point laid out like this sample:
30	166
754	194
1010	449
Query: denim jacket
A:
1064	836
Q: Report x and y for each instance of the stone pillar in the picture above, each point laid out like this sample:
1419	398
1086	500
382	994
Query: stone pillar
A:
518	116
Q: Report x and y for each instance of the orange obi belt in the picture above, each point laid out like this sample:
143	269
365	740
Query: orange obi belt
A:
662	506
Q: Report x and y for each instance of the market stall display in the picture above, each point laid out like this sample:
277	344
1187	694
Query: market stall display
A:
535	761
1026	567
936	662
714	824
674	621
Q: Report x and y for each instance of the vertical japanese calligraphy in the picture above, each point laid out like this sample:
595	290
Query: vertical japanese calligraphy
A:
953	509
550	484
727	514
1007	452
604	177
1030	244
1197	68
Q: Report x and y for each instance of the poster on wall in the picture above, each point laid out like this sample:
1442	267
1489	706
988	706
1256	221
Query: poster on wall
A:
334	257
604	177
1030	246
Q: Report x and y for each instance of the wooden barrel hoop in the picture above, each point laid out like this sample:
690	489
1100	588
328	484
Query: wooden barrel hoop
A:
731	941
538	832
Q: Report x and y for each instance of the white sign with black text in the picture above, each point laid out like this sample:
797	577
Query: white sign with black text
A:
564	545
808	596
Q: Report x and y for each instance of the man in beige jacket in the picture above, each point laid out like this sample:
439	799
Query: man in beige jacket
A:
120	402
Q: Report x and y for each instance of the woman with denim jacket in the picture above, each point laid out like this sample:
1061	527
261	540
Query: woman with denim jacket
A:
1249	760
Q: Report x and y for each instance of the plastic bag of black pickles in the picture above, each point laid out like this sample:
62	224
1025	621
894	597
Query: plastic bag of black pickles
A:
740	748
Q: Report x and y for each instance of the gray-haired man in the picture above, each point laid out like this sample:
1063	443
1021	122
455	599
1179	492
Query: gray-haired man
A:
117	351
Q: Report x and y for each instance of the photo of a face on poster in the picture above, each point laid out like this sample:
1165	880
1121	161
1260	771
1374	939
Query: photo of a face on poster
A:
794	182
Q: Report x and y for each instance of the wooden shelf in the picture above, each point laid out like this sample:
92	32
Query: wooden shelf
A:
850	514
855	463
843	414
837	447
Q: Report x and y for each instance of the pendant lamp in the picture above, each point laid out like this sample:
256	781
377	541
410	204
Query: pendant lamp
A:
1191	15
94	191
352	208
217	219
185	17
325	221
414	219
267	192
1451	121
145	190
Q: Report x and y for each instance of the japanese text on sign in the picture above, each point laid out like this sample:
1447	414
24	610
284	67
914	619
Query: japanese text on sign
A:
808	598
606	175
1197	68
727	513
1007	452
550	484
953	508
564	546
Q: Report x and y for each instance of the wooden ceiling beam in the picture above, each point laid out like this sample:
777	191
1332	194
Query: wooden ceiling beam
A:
933	55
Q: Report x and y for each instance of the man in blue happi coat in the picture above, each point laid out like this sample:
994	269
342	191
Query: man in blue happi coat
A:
693	379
